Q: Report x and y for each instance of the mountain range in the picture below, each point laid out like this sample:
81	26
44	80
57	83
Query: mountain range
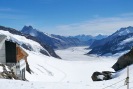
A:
46	42
54	41
89	37
59	42
121	40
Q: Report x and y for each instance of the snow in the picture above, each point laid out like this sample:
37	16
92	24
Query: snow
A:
74	71
100	77
125	31
52	73
7	68
127	41
52	36
22	40
1	69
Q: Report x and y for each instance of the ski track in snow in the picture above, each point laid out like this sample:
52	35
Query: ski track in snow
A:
72	72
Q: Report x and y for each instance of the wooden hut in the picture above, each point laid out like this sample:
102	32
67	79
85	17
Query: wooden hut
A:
14	56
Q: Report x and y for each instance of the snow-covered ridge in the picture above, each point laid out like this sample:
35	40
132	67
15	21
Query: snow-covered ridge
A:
124	31
51	36
36	47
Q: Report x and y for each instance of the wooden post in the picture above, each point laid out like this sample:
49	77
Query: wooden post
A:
127	77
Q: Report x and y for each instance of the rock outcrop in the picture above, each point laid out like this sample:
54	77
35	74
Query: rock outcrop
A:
100	76
7	73
124	61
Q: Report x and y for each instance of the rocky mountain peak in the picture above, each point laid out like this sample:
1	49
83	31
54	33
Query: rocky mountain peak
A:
124	31
29	30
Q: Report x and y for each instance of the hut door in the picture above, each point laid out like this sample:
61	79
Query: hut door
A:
10	52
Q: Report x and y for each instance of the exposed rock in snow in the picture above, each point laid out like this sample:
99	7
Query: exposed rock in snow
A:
100	76
123	61
6	73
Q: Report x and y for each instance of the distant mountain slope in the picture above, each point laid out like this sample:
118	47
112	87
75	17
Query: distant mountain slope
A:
83	37
121	40
27	41
55	41
88	39
99	37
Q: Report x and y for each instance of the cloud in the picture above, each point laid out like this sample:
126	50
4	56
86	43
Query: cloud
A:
7	10
127	14
97	26
12	16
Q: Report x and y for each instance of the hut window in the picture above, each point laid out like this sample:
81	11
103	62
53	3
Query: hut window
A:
17	66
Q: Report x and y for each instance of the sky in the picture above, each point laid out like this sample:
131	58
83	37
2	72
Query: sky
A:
68	17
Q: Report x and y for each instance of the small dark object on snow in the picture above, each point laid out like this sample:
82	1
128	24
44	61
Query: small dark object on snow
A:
95	76
106	75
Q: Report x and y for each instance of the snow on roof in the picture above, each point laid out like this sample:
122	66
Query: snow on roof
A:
2	37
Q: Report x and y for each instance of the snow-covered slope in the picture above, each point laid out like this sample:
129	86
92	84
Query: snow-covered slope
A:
51	73
34	46
124	31
27	41
73	68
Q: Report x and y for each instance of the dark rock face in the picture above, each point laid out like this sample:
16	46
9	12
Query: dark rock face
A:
43	44
26	47
106	75
95	76
44	52
124	61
